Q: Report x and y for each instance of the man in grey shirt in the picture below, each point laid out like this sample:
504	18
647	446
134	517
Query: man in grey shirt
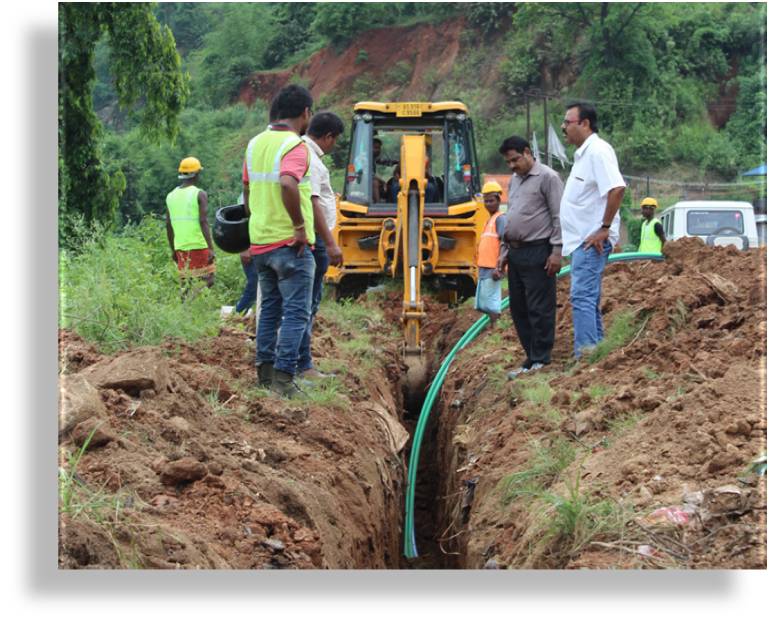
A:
531	249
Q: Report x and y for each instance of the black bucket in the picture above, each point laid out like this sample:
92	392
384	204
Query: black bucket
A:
231	229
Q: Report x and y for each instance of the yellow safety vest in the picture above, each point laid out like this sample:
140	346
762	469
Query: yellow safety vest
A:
269	221
650	241
182	203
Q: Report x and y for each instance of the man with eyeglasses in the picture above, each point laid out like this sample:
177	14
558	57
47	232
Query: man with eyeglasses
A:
531	250
589	220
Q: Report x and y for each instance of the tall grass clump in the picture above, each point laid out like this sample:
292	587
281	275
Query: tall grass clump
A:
121	289
624	327
543	468
576	518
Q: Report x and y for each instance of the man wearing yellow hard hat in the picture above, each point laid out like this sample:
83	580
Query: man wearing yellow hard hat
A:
488	295
187	225
652	233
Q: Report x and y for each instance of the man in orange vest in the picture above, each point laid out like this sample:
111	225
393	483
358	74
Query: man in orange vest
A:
488	295
531	250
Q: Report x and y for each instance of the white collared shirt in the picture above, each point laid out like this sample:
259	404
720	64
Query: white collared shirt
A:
583	204
320	182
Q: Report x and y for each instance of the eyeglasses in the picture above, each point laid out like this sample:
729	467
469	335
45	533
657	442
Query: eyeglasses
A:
567	121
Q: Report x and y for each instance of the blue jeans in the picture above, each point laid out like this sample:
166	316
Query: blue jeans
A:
286	283
586	274
321	265
248	298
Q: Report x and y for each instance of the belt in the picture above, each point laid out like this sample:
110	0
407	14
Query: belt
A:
521	243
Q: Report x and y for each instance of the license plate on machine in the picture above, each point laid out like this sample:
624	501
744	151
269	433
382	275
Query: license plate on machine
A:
408	109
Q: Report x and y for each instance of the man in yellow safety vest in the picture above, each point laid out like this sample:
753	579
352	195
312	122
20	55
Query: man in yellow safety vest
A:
189	236
277	196
652	233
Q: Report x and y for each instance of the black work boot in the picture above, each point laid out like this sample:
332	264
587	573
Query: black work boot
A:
264	373
283	384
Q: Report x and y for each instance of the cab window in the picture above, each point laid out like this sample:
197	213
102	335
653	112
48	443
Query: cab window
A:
357	186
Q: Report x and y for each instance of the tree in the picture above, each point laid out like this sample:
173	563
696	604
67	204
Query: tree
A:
148	80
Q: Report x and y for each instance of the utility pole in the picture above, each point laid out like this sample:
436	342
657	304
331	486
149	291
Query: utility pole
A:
547	145
528	117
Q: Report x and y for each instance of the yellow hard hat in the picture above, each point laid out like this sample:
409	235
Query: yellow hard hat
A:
650	201
491	186
189	167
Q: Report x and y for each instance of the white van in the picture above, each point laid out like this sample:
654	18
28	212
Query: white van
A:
717	223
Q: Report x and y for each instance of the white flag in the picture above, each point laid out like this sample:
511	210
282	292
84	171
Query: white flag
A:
534	147
555	146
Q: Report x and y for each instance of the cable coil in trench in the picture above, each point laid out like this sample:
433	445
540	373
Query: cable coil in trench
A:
409	540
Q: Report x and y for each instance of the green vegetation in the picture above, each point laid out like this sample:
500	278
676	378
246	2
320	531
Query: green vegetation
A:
678	317
79	501
656	71
148	80
623	424
543	468
328	392
576	518
652	68
623	328
122	290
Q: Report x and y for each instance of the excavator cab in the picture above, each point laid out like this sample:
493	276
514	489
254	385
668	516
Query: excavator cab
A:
411	209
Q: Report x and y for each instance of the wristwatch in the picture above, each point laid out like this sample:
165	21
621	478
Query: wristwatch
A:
603	226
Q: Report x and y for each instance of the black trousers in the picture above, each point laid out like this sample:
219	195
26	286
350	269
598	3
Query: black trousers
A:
532	300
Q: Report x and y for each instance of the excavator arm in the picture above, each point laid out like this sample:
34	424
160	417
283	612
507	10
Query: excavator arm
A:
411	201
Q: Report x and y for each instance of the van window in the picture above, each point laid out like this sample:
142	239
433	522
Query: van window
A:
710	222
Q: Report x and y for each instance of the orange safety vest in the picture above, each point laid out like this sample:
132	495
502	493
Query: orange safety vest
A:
488	247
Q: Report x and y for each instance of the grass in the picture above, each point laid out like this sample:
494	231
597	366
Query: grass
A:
598	391
328	392
122	290
543	468
575	519
678	317
649	374
624	327
80	502
351	314
623	424
218	409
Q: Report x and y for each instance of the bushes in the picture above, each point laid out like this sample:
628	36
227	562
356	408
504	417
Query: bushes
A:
217	137
122	290
704	146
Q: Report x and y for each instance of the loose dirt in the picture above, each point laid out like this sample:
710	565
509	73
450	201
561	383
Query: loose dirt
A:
665	421
190	467
187	465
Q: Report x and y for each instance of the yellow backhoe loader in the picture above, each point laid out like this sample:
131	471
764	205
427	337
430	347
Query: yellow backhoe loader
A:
410	209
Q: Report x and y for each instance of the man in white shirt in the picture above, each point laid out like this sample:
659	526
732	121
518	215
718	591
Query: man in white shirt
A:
589	220
322	134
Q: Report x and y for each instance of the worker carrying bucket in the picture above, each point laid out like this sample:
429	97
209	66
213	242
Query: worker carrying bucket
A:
187	226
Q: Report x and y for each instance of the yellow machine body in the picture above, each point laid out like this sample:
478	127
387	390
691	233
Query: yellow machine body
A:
418	225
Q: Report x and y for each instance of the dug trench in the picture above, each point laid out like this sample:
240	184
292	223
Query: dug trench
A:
643	457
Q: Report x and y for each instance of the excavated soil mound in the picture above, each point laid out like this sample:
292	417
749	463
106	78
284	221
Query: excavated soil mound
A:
188	466
665	427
